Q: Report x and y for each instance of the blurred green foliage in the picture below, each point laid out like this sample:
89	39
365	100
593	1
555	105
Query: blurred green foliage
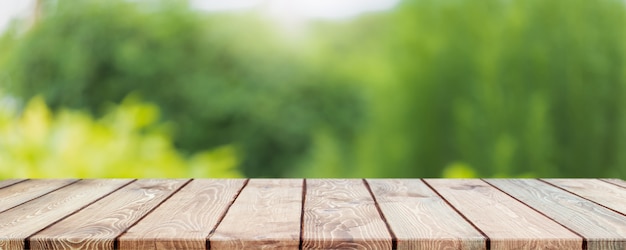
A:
509	88
124	143
220	80
453	88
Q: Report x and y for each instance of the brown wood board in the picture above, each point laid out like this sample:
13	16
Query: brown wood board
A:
602	228
508	223
420	219
18	223
9	182
598	191
98	225
341	213
19	193
266	214
186	219
313	213
617	182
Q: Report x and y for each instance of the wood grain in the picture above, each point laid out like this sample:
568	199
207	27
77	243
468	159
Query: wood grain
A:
19	193
337	213
420	219
185	220
508	223
617	182
603	193
97	226
603	228
340	213
266	214
9	182
18	223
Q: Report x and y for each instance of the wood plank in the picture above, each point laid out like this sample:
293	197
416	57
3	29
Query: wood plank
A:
18	223
508	223
186	219
603	193
97	226
617	182
266	214
602	228
19	193
9	182
341	213
420	219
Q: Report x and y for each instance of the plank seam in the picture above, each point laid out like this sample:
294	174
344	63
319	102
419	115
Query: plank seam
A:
116	241
487	240
612	183
302	214
584	246
223	215
40	195
394	239
581	197
23	180
27	239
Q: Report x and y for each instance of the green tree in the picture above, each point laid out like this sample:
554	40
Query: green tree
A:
222	79
507	88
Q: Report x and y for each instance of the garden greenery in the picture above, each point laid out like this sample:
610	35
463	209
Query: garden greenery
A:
453	88
127	142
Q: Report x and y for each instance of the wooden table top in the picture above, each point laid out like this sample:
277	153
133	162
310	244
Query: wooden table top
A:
313	213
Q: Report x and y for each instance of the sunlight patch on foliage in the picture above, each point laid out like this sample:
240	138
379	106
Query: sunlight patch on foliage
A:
127	143
458	170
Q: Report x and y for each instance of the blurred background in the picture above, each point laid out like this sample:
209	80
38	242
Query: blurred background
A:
313	88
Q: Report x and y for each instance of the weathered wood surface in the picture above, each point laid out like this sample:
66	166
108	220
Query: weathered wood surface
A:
600	192
98	225
19	193
26	219
341	213
186	219
508	223
617	182
265	215
9	182
414	213
313	213
601	227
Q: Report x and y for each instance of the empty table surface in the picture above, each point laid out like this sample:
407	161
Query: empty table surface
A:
313	213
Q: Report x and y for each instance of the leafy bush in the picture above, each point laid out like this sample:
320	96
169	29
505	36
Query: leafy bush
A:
454	88
126	142
507	87
219	80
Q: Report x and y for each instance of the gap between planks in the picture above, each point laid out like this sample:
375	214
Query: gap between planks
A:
116	242
10	182
304	203
601	227
616	204
302	212
219	221
186	219
98	225
27	239
487	240
33	189
394	239
584	239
